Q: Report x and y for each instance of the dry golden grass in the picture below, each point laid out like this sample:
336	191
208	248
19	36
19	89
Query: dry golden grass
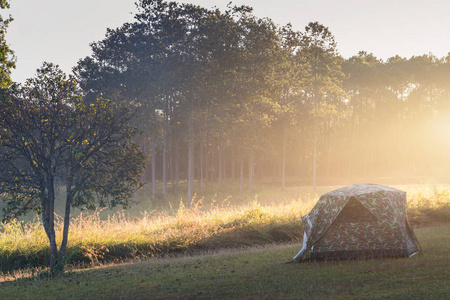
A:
95	238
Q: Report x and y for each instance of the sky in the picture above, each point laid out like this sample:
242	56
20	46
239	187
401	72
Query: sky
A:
60	31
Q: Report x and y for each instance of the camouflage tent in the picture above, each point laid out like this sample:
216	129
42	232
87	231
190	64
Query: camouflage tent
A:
362	220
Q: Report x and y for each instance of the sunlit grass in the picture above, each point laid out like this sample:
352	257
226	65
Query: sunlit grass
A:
256	273
96	238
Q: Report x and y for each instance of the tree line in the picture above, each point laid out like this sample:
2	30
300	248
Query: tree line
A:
218	84
228	96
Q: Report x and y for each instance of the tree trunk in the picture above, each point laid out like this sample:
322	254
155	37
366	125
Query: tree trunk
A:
211	174
191	159
69	198
171	164
350	151
233	167
242	176
250	173
315	156
372	148
224	161
283	171
207	159
153	170
329	148
145	173
164	166
177	162
48	221
201	166
315	134
220	160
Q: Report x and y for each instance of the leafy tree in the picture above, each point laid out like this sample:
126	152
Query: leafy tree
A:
363	84
288	80
7	59
319	50
49	135
182	58
143	61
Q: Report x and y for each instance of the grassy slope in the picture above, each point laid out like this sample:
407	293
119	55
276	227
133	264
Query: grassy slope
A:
255	274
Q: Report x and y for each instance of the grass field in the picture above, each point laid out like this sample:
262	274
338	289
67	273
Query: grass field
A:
254	273
99	238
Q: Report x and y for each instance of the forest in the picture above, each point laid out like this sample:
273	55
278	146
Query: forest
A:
227	96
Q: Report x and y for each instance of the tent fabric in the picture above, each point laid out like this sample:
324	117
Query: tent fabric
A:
364	219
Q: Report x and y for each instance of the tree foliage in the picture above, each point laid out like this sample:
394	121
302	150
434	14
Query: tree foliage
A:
199	64
7	58
50	136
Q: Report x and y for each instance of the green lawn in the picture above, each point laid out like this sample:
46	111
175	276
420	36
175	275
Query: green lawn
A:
257	273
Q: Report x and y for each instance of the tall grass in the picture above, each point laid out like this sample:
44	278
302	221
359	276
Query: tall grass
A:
428	205
95	238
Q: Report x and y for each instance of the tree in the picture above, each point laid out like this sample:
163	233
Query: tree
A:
324	79
7	58
180	58
289	81
144	61
224	82
363	86
49	136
